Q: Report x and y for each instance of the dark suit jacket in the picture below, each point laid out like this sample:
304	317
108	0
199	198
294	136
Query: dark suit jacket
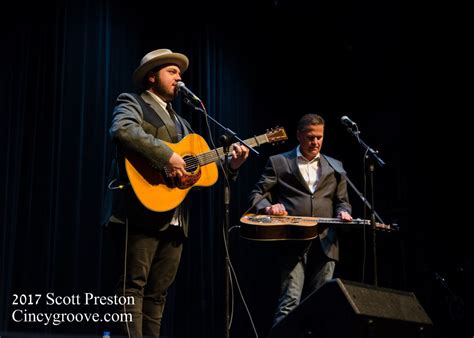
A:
130	132
283	180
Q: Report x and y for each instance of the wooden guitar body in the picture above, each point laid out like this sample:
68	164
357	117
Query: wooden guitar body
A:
159	192
280	228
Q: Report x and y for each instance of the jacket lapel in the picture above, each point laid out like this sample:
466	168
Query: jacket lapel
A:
162	114
326	171
293	164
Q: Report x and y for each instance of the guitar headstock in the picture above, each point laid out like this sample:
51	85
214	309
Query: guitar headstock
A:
276	134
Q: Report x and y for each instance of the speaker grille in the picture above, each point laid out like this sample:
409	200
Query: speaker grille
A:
350	309
384	303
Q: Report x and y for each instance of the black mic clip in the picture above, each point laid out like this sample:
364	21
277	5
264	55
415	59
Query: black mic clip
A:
350	125
227	139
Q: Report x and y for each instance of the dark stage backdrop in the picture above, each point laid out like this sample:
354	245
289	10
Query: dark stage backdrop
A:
64	64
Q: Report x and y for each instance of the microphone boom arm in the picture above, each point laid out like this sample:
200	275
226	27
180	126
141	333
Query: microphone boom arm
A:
370	151
228	131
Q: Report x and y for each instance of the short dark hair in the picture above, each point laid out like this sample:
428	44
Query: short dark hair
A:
308	120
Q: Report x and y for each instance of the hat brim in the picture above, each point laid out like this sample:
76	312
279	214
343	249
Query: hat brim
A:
177	59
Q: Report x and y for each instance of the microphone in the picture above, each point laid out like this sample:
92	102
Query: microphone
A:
182	88
348	122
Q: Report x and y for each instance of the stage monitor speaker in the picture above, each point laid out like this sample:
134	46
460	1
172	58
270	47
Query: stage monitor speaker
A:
346	309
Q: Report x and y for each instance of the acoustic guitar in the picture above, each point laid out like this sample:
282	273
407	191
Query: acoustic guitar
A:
159	192
278	228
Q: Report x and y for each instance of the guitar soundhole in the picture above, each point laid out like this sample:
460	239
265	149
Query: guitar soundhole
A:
192	163
193	173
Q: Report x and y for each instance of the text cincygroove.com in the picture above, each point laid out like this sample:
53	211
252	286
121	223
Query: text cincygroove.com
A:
23	315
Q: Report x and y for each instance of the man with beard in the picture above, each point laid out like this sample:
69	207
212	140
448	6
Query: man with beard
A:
150	242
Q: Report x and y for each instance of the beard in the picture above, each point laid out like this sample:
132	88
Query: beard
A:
163	92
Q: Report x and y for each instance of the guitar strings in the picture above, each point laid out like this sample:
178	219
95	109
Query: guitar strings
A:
209	156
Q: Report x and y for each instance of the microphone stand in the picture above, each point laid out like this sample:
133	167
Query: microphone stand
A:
371	154
226	140
233	136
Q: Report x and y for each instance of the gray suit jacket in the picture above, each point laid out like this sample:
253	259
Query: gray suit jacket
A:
131	132
283	181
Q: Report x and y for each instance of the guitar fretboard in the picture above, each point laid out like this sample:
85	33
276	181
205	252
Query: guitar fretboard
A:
272	219
215	154
324	220
356	221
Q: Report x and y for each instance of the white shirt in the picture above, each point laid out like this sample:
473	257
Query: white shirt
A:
310	170
159	100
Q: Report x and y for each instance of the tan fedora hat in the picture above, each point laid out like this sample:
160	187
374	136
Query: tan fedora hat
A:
156	58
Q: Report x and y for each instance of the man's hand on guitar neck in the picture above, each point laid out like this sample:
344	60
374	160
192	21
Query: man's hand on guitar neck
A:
176	166
239	155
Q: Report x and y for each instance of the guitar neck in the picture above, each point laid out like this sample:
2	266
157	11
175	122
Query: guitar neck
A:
337	221
215	154
324	220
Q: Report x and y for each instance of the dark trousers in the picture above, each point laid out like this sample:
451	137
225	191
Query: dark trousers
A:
152	260
304	268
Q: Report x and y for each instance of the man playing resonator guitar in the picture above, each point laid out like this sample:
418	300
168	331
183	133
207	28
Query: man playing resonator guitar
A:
304	182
